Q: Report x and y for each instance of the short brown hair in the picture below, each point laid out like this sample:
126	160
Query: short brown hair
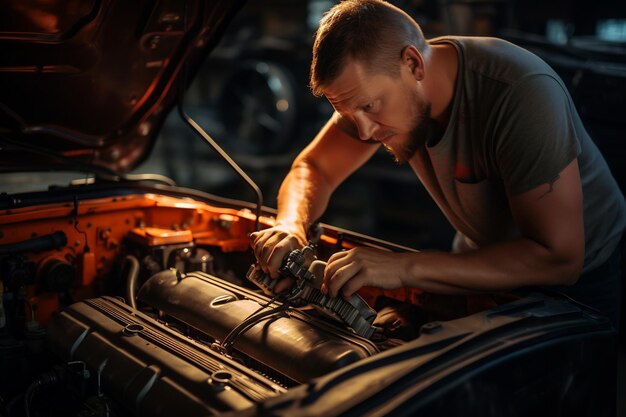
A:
371	31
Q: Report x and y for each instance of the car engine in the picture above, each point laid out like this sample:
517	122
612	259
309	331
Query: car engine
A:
147	304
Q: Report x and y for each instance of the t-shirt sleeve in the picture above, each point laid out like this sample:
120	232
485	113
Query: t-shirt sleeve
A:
536	136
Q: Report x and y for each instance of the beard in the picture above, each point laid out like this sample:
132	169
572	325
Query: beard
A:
424	129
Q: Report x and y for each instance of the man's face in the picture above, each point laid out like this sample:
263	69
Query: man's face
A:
390	110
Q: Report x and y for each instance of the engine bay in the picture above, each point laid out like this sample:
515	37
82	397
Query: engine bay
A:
143	304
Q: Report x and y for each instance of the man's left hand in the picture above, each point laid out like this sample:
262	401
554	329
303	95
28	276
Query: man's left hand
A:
350	270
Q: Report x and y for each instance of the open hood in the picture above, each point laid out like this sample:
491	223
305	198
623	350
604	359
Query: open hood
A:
91	81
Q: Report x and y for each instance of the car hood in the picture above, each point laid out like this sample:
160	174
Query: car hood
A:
89	83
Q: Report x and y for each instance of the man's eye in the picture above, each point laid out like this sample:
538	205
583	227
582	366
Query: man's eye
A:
373	107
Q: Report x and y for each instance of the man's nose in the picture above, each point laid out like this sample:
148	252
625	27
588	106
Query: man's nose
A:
366	127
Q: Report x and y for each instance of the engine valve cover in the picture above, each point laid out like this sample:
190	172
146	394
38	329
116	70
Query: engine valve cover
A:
295	344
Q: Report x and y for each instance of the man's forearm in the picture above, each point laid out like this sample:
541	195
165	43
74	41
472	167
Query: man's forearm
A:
302	199
303	196
502	266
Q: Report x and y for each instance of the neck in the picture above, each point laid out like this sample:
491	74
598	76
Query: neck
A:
441	64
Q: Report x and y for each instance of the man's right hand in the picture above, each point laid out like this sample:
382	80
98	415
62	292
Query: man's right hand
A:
270	247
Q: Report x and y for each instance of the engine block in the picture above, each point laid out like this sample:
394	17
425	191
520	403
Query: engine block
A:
148	366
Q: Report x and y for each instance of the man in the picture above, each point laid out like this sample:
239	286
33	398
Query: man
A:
493	135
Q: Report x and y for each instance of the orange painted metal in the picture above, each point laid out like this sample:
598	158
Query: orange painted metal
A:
96	228
154	236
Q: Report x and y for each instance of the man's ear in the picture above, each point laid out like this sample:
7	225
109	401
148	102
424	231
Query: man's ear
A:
414	60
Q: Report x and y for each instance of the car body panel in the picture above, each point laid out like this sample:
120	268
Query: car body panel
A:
92	81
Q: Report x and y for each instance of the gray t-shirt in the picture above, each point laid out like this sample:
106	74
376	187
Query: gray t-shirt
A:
513	126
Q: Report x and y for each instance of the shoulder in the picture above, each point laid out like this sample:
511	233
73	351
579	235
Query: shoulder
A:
496	59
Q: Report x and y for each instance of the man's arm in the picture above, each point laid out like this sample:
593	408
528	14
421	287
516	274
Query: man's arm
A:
550	251
304	194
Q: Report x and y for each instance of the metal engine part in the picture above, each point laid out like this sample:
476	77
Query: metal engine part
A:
308	275
148	367
353	311
292	343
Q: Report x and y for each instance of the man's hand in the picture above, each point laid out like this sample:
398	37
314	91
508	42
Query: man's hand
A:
350	270
270	247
